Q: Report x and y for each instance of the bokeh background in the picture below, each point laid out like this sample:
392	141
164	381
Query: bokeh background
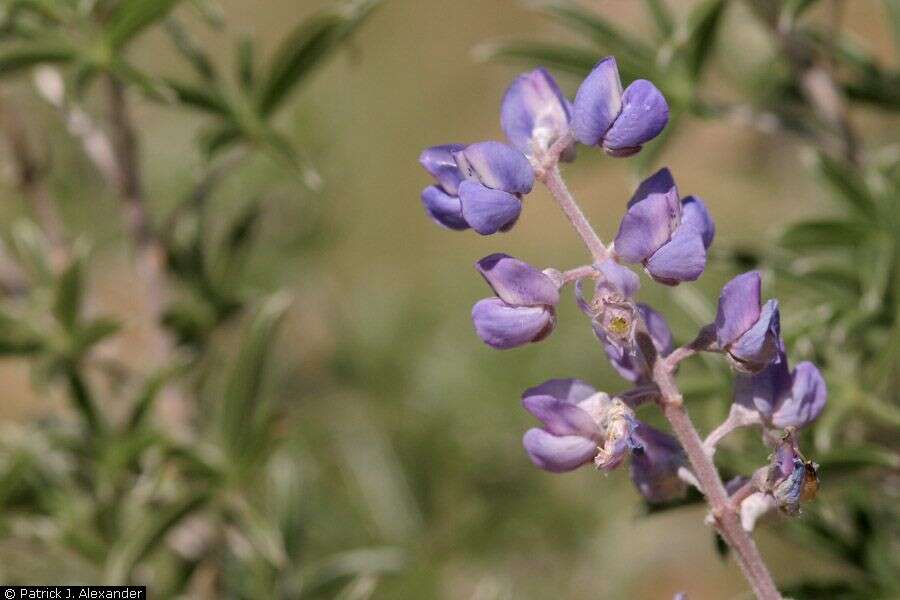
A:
405	429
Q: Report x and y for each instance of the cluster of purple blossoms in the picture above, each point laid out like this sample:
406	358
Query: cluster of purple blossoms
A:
481	185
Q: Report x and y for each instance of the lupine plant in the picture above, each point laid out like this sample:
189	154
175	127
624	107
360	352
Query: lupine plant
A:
481	186
175	473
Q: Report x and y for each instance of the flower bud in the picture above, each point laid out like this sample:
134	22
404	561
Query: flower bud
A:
655	464
668	236
620	122
745	329
535	113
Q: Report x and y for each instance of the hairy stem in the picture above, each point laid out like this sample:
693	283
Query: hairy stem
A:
727	520
552	178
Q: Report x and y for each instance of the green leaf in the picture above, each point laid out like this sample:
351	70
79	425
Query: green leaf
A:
850	459
261	532
702	26
204	98
662	17
149	392
823	233
893	10
190	50
578	61
148	535
634	57
91	334
131	17
321	576
245	63
217	139
17	336
69	293
306	47
240	401
848	185
23	56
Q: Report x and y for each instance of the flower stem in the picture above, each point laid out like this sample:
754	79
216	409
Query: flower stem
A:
727	520
552	178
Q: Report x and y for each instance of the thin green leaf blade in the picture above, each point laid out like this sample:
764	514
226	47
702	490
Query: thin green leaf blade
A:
131	17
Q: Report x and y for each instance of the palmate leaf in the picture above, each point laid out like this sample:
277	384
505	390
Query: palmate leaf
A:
849	187
306	47
190	50
131	17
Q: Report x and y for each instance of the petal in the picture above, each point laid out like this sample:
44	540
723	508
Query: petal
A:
597	103
646	226
567	390
806	400
759	345
503	326
619	283
660	182
764	390
695	215
488	211
444	209
534	111
497	166
683	258
440	164
623	359
562	418
516	282
558	454
739	306
644	115
654	466
658	328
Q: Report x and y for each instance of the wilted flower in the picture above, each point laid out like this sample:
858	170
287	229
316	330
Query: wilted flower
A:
747	330
581	426
668	236
478	186
602	115
524	309
791	479
783	398
535	113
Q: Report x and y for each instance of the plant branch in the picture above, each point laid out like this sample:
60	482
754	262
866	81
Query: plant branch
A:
726	520
552	178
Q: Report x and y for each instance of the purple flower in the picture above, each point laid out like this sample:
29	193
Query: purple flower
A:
612	306
668	236
602	115
624	358
524	310
783	398
747	330
655	464
535	113
581	426
478	186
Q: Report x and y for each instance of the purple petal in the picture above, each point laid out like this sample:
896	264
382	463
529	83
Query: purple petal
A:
488	211
623	359
503	326
617	280
806	400
558	454
444	209
597	103
567	390
683	258
758	346
534	111
653	214
658	328
644	115
562	418
739	306
440	164
764	390
497	166
654	467
517	283
695	215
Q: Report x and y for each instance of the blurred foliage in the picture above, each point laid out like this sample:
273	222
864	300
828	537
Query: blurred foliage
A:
838	275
